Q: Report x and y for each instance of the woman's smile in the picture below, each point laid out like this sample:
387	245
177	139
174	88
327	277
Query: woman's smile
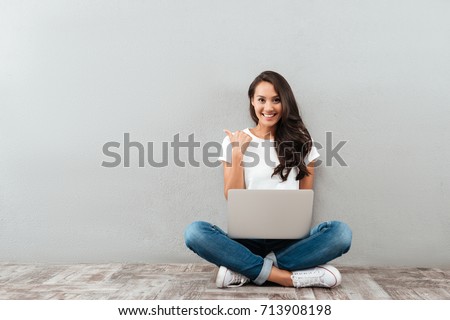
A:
269	116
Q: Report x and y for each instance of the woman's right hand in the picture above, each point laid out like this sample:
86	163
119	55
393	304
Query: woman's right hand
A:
239	140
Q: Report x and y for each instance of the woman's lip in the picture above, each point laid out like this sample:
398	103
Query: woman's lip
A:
269	118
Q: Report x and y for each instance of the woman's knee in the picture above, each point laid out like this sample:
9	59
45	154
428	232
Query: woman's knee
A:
343	236
194	232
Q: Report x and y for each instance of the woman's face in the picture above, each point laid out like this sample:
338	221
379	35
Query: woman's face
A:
267	104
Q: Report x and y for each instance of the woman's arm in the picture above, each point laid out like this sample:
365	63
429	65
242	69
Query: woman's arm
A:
233	173
307	181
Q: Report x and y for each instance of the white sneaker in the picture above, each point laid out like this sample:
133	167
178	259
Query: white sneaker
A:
321	276
228	279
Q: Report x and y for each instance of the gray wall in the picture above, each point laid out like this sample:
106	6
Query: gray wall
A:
77	74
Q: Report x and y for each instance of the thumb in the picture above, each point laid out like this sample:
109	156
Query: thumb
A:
228	132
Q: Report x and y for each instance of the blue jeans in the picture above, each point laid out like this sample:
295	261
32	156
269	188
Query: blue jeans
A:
254	258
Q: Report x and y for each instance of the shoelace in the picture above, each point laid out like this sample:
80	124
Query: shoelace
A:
308	278
237	280
310	273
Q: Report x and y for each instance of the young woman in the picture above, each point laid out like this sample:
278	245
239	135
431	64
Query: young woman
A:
297	263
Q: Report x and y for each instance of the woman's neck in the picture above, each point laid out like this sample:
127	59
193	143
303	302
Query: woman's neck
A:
264	132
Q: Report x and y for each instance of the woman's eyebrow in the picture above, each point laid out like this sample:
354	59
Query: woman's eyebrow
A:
264	97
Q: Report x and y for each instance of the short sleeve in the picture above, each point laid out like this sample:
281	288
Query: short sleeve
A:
224	155
312	155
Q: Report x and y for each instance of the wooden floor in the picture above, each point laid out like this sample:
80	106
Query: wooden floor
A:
197	281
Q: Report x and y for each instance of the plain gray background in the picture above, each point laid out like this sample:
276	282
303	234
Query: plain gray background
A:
77	74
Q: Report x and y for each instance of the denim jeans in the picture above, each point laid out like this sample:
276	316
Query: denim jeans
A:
254	258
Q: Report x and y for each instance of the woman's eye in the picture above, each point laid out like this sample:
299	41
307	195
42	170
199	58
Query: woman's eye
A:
261	100
277	100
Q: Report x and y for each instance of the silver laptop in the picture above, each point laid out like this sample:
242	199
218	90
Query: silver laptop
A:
269	214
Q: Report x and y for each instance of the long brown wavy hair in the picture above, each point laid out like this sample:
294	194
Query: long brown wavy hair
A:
292	139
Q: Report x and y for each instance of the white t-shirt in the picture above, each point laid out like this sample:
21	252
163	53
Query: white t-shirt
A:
260	159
